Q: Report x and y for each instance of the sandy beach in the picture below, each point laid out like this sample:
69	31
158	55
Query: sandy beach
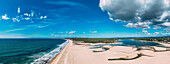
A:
84	54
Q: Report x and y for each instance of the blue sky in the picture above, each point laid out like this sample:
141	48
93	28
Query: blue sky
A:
63	18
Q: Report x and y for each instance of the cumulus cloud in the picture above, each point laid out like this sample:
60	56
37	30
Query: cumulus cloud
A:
5	17
138	13
138	25
166	24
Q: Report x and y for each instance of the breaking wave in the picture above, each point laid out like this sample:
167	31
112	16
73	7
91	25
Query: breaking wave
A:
46	58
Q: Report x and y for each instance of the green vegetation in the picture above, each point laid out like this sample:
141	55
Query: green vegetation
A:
96	40
112	40
158	39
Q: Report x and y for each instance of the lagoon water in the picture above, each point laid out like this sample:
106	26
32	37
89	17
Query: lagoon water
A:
132	42
136	43
29	51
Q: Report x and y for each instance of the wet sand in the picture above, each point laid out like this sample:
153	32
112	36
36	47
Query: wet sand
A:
82	54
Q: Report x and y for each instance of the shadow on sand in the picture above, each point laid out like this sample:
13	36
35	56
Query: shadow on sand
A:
141	54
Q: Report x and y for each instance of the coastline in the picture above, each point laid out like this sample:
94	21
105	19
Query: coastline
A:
56	59
82	54
48	57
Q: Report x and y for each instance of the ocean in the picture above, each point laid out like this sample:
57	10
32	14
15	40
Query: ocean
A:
29	51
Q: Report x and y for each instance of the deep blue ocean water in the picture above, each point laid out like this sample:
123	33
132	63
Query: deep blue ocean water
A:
29	51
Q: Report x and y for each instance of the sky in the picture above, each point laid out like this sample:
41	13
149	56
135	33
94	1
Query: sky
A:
84	18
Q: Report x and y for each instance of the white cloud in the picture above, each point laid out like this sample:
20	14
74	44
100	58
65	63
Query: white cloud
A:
37	26
65	3
156	32
165	33
148	33
18	10
26	14
15	30
43	17
24	17
166	24
154	12
32	13
15	20
84	32
13	36
157	27
144	25
72	32
52	34
145	31
5	17
27	18
167	29
43	26
93	31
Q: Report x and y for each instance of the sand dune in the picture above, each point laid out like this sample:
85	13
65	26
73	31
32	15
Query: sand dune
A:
82	54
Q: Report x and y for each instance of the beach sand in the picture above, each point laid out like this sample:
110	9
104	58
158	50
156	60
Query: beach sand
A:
82	54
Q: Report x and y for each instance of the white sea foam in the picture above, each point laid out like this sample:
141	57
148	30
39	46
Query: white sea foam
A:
49	56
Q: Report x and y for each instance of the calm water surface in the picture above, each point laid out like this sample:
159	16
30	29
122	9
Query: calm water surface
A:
136	43
133	43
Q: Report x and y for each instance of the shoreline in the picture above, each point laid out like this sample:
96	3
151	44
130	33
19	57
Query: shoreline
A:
48	57
56	59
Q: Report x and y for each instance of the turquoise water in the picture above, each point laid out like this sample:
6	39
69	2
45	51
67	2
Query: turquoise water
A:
29	51
133	43
137	43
